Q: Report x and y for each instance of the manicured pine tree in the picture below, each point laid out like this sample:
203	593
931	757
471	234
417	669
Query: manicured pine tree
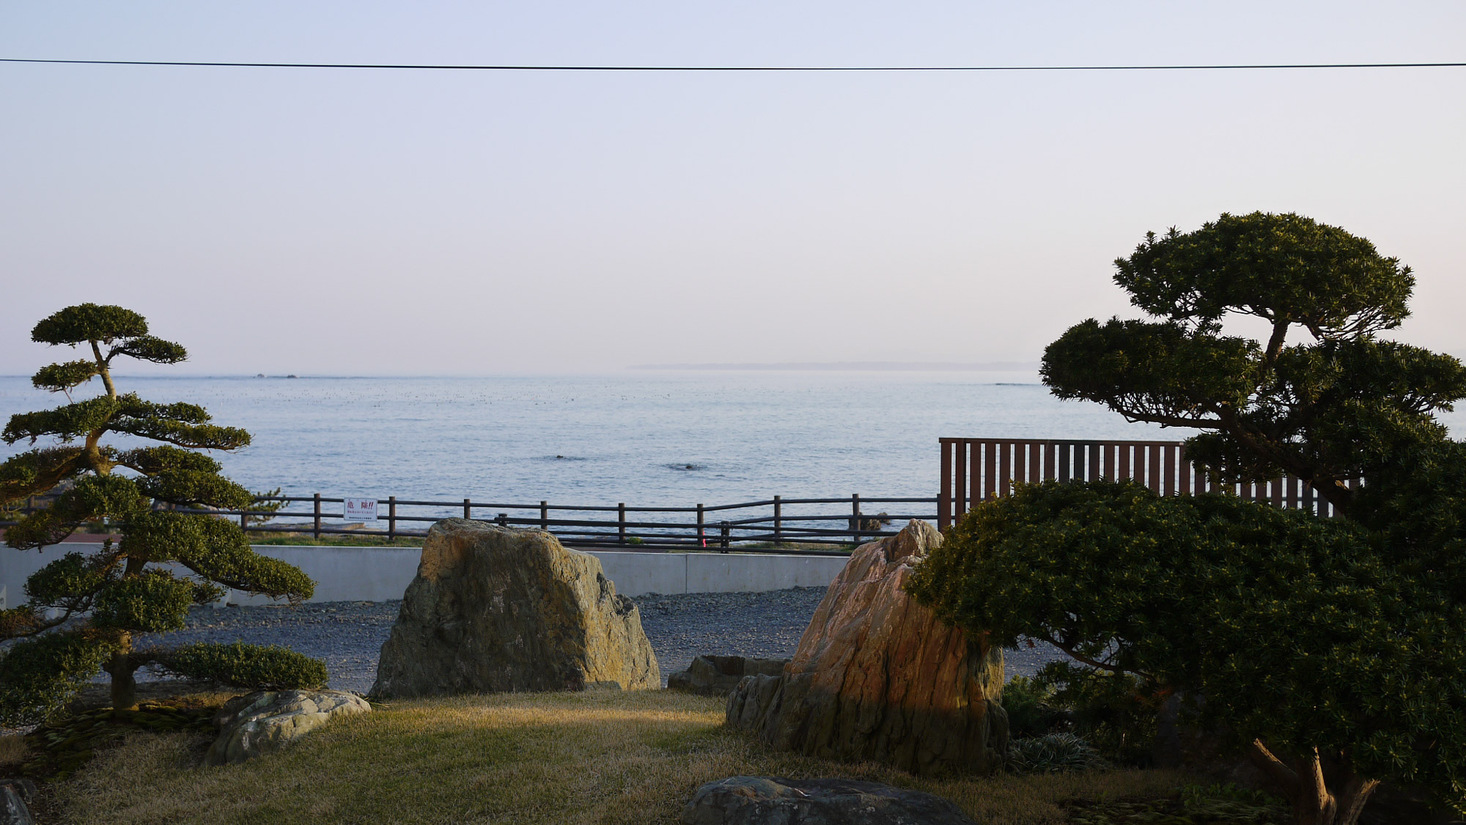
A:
1330	650
84	610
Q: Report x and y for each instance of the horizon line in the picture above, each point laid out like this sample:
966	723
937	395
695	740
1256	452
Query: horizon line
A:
885	366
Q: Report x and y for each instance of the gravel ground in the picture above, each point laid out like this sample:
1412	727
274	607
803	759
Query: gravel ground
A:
348	636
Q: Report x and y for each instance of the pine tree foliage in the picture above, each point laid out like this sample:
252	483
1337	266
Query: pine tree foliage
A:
83	610
1330	649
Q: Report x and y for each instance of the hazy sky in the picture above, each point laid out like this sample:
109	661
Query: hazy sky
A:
331	221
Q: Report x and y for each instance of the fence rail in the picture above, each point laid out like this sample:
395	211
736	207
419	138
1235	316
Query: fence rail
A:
975	469
812	526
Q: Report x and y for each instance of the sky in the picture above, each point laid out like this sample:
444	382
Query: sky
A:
387	222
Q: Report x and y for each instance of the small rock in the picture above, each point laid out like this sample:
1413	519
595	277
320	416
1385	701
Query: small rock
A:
266	721
13	796
718	675
757	800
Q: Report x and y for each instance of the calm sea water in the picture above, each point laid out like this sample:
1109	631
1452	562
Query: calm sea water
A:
644	438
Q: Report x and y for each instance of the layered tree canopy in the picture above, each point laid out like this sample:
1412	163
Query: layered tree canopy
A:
1333	648
1319	398
145	494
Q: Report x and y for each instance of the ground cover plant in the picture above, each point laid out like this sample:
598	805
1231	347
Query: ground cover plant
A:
592	757
83	610
1330	649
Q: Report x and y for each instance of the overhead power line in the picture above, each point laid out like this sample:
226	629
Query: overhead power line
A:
591	68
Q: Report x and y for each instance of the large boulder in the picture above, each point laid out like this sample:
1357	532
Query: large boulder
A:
878	677
266	721
499	610
758	800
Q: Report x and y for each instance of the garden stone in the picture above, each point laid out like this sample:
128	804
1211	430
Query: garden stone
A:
14	793
499	610
266	721
719	675
757	800
878	677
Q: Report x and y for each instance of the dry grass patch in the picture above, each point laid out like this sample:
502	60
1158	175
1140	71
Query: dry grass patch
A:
12	753
596	757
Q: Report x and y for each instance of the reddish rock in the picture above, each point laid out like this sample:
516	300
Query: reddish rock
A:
878	677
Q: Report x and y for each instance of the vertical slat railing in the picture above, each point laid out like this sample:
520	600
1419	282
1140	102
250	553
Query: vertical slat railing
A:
975	469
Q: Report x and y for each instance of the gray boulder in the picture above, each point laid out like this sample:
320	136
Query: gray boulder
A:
719	675
266	721
757	800
499	610
14	794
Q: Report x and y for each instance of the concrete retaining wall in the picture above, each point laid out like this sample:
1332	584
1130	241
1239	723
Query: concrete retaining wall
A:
375	574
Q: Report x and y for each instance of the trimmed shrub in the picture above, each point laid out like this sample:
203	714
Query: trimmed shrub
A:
248	666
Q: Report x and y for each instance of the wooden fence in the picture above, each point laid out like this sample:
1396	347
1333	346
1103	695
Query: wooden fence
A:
812	526
975	469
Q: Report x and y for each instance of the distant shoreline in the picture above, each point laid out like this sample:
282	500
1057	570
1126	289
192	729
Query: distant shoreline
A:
870	366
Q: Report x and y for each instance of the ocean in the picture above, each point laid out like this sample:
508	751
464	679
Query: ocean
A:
645	438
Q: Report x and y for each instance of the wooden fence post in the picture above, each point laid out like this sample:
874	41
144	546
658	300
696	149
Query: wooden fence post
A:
855	517
702	538
467	509
778	520
545	516
391	518
317	530
621	523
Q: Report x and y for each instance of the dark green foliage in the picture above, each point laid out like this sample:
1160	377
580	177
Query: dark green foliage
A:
35	470
1296	629
148	348
1277	267
142	500
1052	753
1115	712
247	666
70	581
215	549
57	377
154	602
91	498
1331	411
1031	708
192	488
86	323
1338	644
40	674
1159	368
65	423
153	460
186	425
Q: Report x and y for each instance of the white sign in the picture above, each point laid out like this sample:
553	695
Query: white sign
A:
359	509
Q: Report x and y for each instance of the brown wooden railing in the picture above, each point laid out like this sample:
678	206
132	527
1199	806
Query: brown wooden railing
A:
975	469
799	526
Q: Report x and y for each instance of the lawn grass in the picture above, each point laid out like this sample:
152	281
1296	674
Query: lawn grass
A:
593	757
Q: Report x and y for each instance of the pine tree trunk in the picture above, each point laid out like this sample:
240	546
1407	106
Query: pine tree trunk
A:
121	668
1305	786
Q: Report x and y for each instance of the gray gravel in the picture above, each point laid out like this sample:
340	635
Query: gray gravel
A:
348	636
